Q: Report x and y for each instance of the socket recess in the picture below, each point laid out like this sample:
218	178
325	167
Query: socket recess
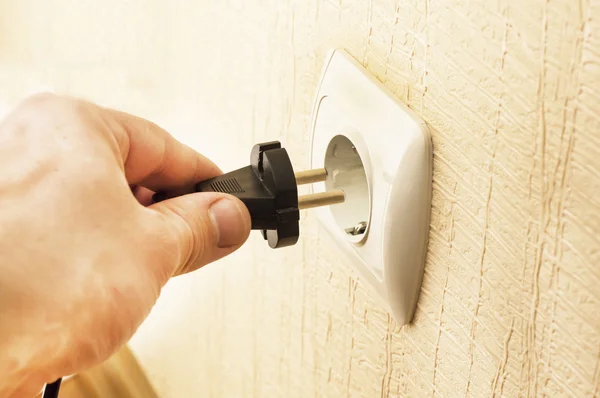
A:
379	153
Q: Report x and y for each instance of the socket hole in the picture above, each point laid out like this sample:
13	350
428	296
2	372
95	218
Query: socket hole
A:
346	171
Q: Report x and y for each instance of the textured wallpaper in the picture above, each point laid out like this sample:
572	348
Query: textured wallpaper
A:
511	91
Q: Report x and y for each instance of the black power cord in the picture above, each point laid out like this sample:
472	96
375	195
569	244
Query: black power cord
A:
51	390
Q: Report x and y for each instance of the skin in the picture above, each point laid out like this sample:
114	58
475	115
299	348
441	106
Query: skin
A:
84	253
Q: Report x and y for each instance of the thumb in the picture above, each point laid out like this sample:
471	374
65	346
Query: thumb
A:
203	227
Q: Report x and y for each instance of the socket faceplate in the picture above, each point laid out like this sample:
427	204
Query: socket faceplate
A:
361	131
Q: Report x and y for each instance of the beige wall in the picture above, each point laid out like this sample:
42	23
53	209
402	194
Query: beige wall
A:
510	88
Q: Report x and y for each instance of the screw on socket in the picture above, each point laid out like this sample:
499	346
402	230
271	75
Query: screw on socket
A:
358	229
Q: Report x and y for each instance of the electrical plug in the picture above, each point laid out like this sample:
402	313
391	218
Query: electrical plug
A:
269	189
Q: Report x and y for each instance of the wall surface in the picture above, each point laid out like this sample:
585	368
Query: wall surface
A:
511	92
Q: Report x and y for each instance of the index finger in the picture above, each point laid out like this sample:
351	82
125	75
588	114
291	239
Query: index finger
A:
156	160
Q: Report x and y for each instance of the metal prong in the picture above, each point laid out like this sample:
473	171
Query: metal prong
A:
320	199
310	176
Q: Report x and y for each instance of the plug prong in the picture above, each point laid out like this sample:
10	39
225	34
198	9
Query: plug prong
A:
320	199
310	176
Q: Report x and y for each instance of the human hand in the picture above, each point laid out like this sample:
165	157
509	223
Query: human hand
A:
84	254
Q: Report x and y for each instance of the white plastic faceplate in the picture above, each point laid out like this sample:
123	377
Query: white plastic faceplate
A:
396	151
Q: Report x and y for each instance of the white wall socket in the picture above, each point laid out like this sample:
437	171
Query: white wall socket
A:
379	153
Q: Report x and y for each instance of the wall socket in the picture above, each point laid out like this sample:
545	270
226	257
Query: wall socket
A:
379	153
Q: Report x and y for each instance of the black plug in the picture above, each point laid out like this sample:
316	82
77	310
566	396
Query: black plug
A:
269	189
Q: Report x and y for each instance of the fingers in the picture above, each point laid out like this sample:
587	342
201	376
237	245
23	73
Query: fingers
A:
201	228
152	158
156	160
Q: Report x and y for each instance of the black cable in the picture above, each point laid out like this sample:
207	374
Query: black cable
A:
51	390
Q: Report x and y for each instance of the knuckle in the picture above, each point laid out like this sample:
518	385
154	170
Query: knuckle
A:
53	104
45	104
41	99
44	107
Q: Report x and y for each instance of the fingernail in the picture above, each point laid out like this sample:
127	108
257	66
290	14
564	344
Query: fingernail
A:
229	221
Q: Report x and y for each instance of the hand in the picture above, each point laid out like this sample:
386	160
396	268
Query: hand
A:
83	254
